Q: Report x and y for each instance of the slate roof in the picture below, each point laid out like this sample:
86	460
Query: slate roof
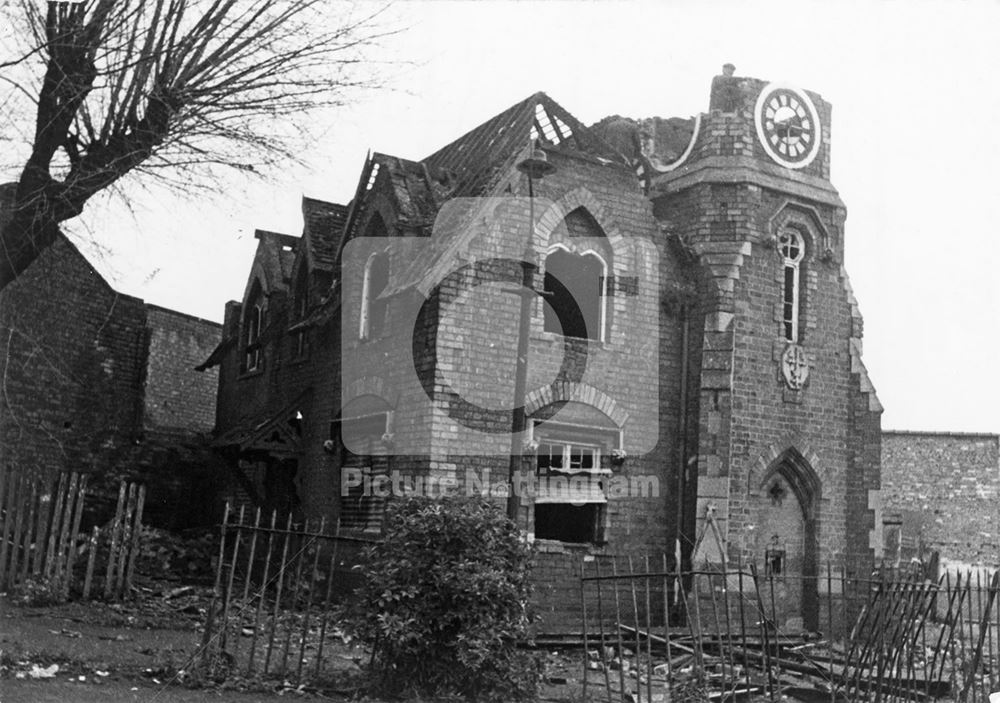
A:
474	161
263	427
323	223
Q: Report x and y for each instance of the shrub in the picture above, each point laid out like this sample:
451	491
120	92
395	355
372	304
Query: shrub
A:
444	601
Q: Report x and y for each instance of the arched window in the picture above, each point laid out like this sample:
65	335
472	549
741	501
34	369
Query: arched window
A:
373	309
575	304
792	249
253	324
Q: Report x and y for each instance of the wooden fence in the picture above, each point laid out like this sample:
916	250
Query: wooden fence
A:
652	634
40	538
276	580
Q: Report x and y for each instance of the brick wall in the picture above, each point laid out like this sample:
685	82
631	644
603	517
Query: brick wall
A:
176	396
72	354
944	491
98	382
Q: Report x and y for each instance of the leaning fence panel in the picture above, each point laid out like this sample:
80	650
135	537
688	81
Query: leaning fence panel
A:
728	633
275	585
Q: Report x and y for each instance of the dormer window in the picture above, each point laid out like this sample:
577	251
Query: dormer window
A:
253	324
792	249
373	309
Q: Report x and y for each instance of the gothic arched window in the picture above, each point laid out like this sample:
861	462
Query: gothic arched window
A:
253	324
575	305
373	309
792	248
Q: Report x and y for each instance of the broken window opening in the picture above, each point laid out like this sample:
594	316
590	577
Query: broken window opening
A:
576	524
253	324
374	309
792	250
571	498
575	284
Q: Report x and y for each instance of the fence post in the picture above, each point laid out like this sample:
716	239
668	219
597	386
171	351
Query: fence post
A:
977	656
88	578
136	537
113	542
210	620
77	517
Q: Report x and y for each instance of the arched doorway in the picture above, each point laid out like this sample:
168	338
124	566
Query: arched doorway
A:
787	540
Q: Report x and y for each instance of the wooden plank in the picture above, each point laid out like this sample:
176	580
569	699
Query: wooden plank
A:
127	526
74	531
42	530
22	491
10	494
29	532
113	540
54	529
133	549
59	568
88	578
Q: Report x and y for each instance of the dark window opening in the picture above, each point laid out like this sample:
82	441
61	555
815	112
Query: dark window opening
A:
575	287
774	560
579	524
253	323
571	496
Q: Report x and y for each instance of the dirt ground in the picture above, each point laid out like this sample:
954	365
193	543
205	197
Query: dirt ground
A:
96	651
106	652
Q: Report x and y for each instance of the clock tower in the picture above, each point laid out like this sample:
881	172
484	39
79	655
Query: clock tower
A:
788	451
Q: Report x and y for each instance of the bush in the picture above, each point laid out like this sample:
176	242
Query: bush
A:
444	601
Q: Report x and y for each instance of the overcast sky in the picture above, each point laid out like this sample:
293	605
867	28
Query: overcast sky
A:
915	151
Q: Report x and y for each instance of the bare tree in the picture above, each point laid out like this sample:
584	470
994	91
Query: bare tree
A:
173	88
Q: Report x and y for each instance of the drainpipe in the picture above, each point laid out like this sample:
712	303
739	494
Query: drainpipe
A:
682	424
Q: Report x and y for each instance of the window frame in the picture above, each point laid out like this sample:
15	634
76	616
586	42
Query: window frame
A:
579	436
365	332
253	327
792	248
602	294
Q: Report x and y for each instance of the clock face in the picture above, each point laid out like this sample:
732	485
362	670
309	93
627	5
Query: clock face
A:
787	125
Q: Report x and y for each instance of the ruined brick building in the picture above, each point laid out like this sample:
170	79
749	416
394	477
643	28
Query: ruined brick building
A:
103	383
697	345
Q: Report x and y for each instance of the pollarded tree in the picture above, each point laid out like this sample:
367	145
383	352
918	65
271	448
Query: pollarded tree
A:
174	88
